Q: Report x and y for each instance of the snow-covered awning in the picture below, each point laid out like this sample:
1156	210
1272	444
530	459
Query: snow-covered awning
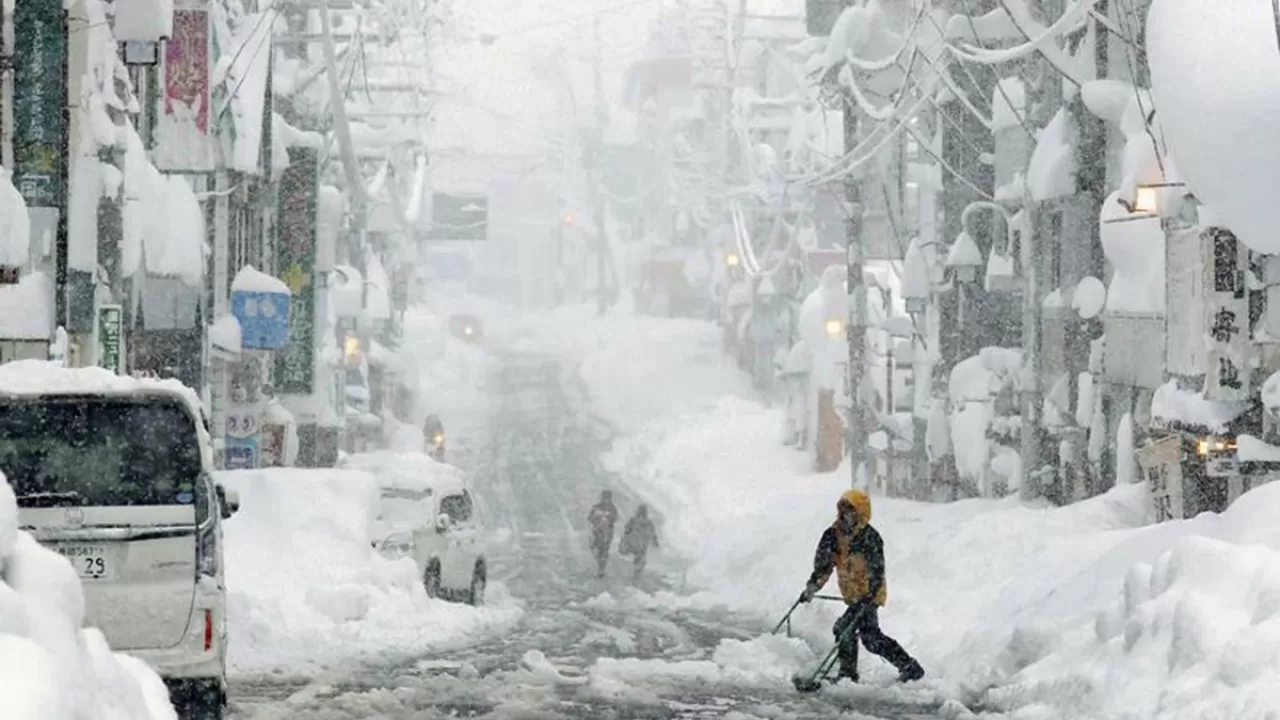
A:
143	20
1176	407
164	231
26	309
347	291
242	72
378	298
224	336
15	226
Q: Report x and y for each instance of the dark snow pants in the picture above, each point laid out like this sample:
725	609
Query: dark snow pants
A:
867	629
600	543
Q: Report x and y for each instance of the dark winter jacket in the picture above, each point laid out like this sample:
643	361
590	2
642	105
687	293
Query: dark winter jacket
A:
602	518
857	557
638	536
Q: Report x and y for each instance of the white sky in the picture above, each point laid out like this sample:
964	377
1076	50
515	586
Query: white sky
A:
506	97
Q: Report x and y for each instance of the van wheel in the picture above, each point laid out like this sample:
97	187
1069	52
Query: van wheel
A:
431	579
201	701
479	580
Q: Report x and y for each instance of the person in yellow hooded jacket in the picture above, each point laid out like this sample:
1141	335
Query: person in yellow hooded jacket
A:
855	552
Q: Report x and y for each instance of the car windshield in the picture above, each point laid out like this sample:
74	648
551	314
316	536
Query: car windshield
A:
78	451
457	507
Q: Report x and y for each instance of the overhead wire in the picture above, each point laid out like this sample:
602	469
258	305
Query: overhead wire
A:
999	83
244	75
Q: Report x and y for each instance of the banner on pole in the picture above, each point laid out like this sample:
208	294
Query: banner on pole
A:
39	100
296	260
183	130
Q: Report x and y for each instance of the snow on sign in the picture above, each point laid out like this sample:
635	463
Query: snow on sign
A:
459	217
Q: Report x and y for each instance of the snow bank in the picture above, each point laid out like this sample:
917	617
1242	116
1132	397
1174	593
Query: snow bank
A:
1080	611
306	589
52	668
15	225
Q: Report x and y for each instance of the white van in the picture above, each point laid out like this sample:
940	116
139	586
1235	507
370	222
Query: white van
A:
439	528
115	474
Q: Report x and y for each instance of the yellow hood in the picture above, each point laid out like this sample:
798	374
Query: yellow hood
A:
860	502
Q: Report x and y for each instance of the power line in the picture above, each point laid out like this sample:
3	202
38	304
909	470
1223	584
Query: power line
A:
266	41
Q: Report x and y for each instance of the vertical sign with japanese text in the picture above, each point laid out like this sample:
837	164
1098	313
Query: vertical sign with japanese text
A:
1226	321
39	98
296	260
109	339
1161	463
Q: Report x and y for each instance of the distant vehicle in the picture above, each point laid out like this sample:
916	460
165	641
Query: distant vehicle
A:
116	475
433	437
466	327
438	527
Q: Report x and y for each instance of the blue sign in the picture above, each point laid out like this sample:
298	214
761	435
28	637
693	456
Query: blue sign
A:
241	454
264	319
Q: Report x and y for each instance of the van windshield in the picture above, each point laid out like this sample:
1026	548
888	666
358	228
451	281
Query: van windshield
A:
94	451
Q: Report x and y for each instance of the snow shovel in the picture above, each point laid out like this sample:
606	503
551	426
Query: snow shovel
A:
813	682
786	619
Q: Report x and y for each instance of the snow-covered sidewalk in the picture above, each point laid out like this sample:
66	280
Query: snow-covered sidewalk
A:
1082	611
51	667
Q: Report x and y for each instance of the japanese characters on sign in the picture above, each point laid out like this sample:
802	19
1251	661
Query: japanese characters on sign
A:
109	339
294	369
39	99
1161	463
1226	317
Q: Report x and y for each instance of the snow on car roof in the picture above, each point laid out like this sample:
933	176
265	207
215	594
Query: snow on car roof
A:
30	378
407	471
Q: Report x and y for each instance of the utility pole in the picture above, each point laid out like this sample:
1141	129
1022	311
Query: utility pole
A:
597	176
855	327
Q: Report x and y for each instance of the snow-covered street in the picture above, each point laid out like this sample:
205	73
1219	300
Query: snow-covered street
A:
582	648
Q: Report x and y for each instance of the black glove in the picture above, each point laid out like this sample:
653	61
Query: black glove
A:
810	589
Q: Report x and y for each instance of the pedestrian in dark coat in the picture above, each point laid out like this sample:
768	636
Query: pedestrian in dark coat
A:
855	551
602	518
638	537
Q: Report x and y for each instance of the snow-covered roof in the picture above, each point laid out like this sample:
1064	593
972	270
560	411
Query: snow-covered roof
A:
15	226
377	305
407	471
224	335
1051	169
1008	104
1172	404
30	378
163	222
251	279
143	20
1215	77
346	291
964	252
1251	449
26	309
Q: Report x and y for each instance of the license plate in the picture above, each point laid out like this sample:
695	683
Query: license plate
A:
90	561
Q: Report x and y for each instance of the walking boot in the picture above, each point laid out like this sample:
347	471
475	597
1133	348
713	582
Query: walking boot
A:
910	672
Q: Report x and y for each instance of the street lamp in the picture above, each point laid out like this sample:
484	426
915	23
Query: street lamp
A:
964	258
834	327
732	260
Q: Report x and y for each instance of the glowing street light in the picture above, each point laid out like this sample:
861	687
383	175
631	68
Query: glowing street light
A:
732	260
834	327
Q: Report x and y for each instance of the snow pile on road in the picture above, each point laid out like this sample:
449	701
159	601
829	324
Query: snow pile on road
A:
1084	610
52	668
306	588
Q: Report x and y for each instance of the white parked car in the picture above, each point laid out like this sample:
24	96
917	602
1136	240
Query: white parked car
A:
437	526
116	474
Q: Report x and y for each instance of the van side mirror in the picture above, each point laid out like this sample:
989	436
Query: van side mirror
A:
228	500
